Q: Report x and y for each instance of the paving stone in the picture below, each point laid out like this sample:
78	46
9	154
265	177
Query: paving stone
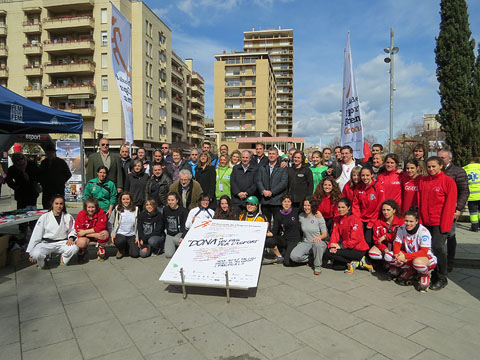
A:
391	345
287	318
443	343
376	296
8	306
55	351
187	315
117	290
342	300
154	335
379	356
334	345
9	330
304	284
70	278
272	344
263	298
88	312
329	315
131	353
159	296
435	301
102	338
266	282
76	293
217	341
430	355
294	298
231	314
180	352
305	353
36	306
45	331
8	286
388	320
11	351
133	309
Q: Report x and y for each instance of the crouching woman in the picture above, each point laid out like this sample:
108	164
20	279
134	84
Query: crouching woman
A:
54	232
123	227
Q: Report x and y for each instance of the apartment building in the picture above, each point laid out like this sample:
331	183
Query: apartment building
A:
56	52
279	44
188	90
244	96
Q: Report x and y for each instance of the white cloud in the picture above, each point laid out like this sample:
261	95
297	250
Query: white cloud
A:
206	11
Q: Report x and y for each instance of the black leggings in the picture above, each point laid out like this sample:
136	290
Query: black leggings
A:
368	233
439	248
343	256
127	243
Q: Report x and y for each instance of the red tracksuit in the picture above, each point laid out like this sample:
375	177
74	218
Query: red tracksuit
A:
409	192
381	228
98	222
367	201
437	201
348	231
348	191
392	185
328	208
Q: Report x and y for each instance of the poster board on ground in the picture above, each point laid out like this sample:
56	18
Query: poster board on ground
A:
70	150
212	247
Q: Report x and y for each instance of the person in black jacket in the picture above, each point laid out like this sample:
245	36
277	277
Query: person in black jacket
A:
151	231
272	180
206	176
158	185
242	180
287	228
300	179
260	158
136	182
174	219
54	173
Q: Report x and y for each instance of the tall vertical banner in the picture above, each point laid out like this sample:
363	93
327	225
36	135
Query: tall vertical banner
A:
352	128
120	49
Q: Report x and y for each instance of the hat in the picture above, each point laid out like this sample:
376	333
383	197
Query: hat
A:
252	200
50	147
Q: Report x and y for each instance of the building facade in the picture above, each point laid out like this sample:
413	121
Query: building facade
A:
279	44
57	52
244	96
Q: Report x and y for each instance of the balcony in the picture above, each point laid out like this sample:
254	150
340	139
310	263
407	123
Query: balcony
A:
177	101
72	22
3	72
195	135
3	30
198	77
198	89
197	100
3	51
195	123
85	45
177	88
178	117
197	112
32	70
33	91
77	4
33	48
72	89
74	67
86	111
32	27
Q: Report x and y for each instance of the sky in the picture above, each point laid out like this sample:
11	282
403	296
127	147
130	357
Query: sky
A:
203	28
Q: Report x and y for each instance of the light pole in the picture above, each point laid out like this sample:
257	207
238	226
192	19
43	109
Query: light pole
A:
391	51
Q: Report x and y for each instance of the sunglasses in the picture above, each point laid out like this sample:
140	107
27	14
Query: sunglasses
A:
105	145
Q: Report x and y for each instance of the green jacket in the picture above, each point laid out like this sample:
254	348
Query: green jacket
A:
222	186
473	173
318	174
105	193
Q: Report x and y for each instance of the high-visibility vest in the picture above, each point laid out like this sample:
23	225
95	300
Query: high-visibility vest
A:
473	172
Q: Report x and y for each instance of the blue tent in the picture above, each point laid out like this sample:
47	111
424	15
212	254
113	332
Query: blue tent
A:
22	116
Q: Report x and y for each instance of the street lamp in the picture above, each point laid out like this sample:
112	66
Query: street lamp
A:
391	51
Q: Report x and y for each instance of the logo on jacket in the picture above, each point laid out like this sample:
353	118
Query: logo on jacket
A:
473	176
372	196
437	189
355	226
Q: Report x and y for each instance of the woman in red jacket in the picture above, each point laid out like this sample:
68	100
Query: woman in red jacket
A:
368	197
391	180
350	187
91	225
347	246
385	231
327	194
410	181
437	203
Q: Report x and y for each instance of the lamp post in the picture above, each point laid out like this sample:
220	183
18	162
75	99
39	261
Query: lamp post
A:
391	51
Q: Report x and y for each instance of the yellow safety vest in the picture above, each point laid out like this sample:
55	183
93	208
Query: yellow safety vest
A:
473	173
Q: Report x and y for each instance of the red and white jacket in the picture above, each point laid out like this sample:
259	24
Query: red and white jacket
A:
367	201
392	185
415	245
98	222
409	192
348	232
437	201
380	228
327	207
348	191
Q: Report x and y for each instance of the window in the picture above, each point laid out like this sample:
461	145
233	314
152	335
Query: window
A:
146	68
104	60
104	38
150	50
161	38
146	47
162	112
104	82
103	16
150	68
105	127
146	88
105	105
150	90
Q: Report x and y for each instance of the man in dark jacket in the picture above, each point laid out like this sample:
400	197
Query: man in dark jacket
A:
242	180
54	173
260	159
125	161
272	180
167	156
187	189
105	158
158	186
461	179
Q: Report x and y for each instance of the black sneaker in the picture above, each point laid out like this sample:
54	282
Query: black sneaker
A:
439	284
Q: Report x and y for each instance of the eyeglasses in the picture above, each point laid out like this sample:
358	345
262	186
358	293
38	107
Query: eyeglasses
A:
164	147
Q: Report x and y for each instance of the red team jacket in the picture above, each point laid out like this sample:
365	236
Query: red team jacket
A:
97	223
392	185
367	201
380	228
348	229
409	192
348	191
328	208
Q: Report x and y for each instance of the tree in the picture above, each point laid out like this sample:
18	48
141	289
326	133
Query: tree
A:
476	101
455	59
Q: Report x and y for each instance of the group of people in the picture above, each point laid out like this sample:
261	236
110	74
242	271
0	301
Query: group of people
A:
326	208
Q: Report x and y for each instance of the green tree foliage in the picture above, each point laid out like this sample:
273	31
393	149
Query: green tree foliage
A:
455	59
476	102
